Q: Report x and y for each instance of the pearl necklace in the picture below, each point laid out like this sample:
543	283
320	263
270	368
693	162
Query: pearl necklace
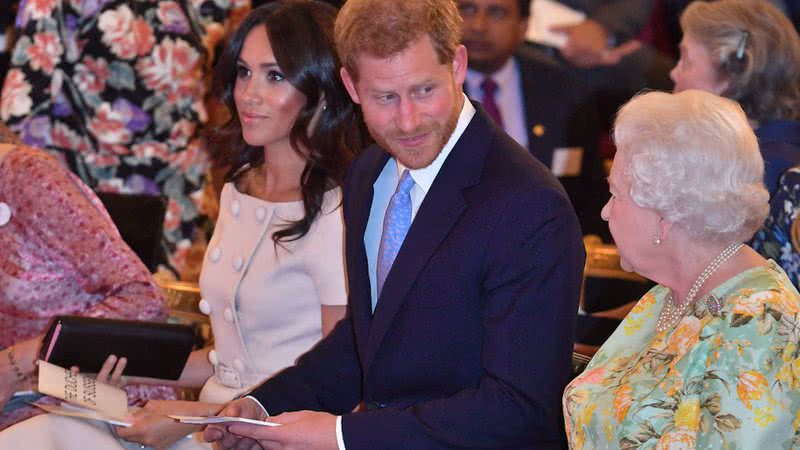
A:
671	314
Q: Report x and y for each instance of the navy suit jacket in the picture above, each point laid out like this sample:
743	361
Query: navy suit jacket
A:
561	113
470	343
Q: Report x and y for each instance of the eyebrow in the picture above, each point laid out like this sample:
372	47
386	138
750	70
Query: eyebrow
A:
263	65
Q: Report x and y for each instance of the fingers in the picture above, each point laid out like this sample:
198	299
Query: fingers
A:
116	375
106	369
614	56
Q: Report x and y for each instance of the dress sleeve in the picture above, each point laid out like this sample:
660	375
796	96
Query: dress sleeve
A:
80	239
749	395
326	257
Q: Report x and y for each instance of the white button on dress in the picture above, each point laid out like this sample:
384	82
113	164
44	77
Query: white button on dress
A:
228	315
5	213
235	208
261	214
238	263
216	254
205	307
238	365
212	357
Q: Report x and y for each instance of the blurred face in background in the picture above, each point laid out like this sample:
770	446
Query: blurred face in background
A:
695	69
267	104
492	31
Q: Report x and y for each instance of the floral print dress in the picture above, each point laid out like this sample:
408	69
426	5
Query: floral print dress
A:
778	236
115	89
727	376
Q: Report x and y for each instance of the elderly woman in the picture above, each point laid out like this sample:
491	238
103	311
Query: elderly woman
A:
748	51
708	358
59	254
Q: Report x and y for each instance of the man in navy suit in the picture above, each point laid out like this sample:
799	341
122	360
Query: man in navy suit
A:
464	337
539	103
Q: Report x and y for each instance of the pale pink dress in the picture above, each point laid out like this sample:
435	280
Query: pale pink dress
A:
61	254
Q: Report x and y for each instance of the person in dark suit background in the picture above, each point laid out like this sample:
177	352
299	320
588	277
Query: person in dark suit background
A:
463	276
536	102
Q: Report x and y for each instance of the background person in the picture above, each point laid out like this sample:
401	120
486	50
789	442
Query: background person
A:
61	255
706	358
537	103
747	51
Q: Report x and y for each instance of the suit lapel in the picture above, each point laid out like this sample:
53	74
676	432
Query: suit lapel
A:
443	205
532	94
363	190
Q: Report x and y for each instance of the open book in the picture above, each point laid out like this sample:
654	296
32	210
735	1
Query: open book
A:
83	396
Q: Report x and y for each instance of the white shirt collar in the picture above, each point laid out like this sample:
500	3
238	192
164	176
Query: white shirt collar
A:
424	177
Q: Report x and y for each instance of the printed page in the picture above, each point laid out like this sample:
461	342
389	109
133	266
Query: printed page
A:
549	13
82	390
201	420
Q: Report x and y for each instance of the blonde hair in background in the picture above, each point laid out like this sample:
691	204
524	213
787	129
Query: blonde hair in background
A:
694	159
381	28
762	66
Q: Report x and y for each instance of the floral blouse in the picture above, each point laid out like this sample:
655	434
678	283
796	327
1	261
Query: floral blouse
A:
774	239
115	88
726	376
61	255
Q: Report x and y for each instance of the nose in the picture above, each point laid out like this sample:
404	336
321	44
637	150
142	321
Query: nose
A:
250	92
606	211
408	116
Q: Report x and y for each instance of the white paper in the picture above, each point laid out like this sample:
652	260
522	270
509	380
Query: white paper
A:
82	390
549	13
76	411
567	161
201	420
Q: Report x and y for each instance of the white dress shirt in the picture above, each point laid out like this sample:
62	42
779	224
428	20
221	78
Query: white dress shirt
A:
509	98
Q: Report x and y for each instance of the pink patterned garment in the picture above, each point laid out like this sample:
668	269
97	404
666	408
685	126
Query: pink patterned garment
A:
61	254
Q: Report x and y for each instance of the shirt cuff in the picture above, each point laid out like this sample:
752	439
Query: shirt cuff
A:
339	437
257	403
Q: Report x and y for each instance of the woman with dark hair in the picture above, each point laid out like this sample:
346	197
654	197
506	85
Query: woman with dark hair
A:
273	277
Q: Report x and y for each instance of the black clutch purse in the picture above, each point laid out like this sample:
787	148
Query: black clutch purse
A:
155	350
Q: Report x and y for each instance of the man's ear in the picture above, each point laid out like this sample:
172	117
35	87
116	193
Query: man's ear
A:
350	85
460	65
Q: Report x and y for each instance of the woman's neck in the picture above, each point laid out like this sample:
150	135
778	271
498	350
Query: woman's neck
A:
690	259
278	179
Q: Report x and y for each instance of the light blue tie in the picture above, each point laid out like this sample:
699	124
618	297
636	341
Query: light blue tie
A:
396	222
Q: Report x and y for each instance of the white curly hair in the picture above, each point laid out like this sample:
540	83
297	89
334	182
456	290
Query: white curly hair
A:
694	159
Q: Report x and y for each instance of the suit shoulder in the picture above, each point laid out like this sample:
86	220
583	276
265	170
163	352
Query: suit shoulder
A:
510	166
547	73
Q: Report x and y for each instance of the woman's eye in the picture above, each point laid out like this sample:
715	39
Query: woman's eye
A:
274	75
242	72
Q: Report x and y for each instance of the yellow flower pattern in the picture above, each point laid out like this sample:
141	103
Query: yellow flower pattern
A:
724	378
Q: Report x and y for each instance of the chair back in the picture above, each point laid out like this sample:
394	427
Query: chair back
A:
140	221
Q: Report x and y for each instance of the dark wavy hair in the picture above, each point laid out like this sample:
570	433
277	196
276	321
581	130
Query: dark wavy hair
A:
301	35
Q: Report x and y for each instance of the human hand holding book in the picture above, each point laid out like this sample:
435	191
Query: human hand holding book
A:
95	400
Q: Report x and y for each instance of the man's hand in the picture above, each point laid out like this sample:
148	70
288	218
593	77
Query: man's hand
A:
243	407
302	430
587	45
153	428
